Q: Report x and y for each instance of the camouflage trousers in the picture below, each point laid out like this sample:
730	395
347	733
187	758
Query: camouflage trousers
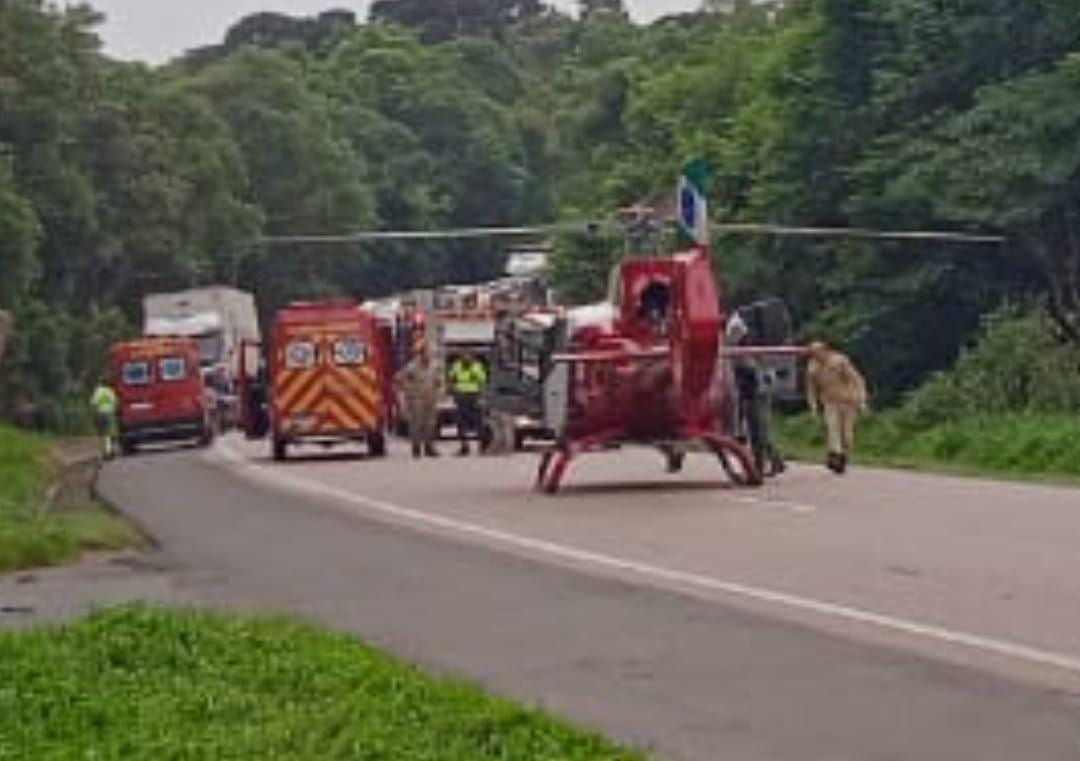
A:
422	416
840	422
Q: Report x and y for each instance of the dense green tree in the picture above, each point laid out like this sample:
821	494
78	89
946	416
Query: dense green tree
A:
587	8
19	236
116	179
441	20
316	34
1012	163
276	29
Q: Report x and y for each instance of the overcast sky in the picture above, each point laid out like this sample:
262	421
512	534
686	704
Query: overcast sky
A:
155	30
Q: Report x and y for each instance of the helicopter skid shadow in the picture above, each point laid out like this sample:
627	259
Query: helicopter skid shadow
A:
643	487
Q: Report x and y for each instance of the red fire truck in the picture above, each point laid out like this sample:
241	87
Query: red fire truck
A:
160	392
328	377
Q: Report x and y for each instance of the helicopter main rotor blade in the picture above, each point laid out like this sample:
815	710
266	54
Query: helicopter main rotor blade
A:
727	228
784	231
405	235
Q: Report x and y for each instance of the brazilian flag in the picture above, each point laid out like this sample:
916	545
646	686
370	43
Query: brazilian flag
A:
693	207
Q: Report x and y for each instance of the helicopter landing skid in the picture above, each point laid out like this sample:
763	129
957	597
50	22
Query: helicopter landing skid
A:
735	458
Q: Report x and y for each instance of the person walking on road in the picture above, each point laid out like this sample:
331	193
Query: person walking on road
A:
752	403
468	377
420	387
834	386
104	403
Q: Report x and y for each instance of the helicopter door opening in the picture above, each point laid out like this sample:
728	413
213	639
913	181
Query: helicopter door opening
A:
654	305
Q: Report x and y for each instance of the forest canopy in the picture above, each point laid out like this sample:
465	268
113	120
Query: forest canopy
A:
119	178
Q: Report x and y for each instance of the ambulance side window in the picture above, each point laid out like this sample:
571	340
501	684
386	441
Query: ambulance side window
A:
136	373
172	369
350	351
300	354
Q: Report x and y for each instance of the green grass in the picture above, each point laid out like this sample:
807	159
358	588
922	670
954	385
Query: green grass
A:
33	537
1013	446
136	683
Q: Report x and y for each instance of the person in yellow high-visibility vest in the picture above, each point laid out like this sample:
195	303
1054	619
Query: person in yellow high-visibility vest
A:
468	377
104	403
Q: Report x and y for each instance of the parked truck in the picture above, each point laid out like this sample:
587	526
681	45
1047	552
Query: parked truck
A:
459	319
221	321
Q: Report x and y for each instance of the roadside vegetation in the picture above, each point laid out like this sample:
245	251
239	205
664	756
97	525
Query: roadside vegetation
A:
33	535
1010	406
141	683
1025	446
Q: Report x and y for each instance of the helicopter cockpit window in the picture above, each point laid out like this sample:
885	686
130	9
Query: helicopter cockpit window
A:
655	301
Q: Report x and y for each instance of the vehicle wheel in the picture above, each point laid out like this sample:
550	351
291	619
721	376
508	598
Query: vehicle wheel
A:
376	444
280	449
519	441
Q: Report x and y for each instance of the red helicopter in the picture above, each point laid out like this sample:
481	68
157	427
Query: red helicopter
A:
648	367
653	372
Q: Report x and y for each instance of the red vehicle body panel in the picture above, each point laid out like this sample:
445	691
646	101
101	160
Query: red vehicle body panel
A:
664	371
159	389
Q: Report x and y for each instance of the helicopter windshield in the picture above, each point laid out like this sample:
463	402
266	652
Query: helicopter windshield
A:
655	301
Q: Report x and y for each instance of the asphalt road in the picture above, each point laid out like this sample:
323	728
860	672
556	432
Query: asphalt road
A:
880	616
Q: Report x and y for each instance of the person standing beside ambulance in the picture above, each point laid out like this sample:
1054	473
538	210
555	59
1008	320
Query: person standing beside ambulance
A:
104	403
834	386
468	377
420	386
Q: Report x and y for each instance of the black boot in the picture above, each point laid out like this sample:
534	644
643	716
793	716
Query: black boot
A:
834	462
431	451
416	451
842	463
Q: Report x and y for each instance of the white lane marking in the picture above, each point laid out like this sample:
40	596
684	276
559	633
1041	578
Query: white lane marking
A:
1014	650
793	507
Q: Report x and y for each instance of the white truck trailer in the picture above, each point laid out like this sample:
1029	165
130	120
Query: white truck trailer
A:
221	320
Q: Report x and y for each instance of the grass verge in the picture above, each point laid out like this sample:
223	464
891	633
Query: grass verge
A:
1028	447
31	536
139	683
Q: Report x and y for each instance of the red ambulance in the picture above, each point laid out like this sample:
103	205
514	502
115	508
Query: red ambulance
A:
329	377
160	392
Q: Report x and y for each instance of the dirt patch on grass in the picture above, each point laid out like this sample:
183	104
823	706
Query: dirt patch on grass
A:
32	598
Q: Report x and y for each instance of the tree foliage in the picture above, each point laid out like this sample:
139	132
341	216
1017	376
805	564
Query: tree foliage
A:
117	179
